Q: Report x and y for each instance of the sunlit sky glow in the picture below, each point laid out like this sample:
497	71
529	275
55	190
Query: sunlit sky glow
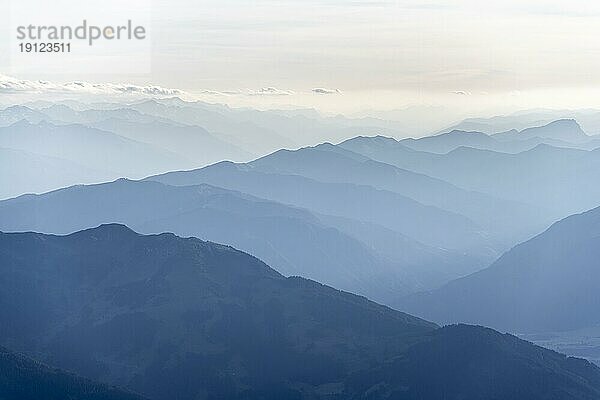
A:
468	56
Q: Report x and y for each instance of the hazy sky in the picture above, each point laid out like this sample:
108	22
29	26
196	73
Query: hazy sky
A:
470	55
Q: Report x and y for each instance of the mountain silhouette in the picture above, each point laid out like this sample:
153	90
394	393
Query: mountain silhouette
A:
445	142
425	229
191	142
246	134
22	378
556	181
13	114
549	283
502	222
565	133
567	130
171	317
92	148
293	240
38	174
588	118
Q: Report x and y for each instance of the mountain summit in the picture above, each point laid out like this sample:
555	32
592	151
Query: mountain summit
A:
567	130
180	318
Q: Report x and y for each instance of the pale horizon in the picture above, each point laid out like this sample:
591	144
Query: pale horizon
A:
471	59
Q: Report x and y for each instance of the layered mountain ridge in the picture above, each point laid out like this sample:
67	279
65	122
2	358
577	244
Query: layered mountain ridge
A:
124	308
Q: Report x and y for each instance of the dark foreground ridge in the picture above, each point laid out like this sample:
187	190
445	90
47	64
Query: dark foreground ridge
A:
22	378
180	318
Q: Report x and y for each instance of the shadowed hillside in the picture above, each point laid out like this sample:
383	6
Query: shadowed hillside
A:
22	378
182	318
